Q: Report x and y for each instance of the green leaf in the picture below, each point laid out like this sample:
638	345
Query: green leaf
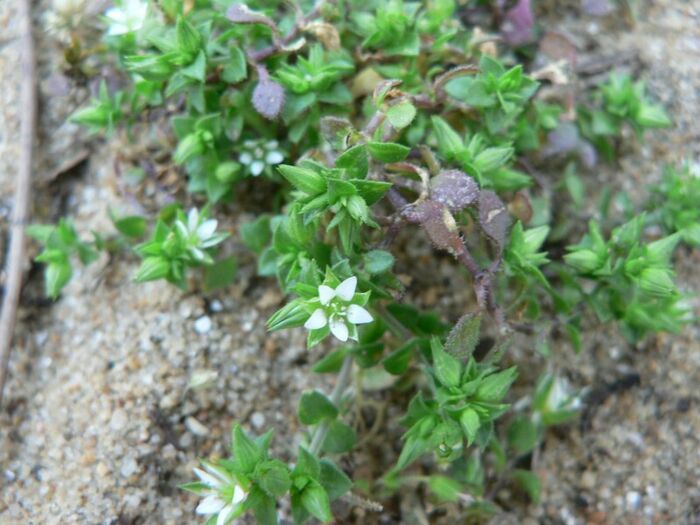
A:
151	269
371	190
388	151
397	362
495	386
188	148
449	142
314	407
331	363
470	422
444	488
307	465
338	188
263	506
197	70
235	69
464	337
273	477
133	226
401	115
246	452
355	161
334	480
56	276
493	158
305	180
220	274
448	370
529	482
522	435
412	449
256	234
378	261
340	438
652	116
189	40
40	232
315	499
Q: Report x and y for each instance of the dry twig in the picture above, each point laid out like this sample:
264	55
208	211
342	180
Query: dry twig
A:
20	210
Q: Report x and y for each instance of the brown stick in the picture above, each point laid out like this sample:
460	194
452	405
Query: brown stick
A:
20	211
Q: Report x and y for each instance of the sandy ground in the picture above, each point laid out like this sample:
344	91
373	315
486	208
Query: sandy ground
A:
99	427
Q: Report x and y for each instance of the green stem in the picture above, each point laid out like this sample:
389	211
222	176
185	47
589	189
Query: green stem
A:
319	435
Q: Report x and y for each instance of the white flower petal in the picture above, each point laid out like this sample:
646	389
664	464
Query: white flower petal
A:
115	14
224	515
317	320
209	479
274	157
207	229
271	144
198	254
192	219
346	289
339	329
326	294
239	495
257	167
245	158
219	472
117	29
358	315
210	505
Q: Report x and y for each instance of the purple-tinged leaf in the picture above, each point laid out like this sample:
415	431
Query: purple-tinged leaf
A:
456	72
564	139
518	24
596	7
587	154
336	131
493	218
383	89
242	14
268	98
521	208
455	189
557	46
440	225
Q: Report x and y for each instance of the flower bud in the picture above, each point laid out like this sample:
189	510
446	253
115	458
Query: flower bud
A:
656	281
585	261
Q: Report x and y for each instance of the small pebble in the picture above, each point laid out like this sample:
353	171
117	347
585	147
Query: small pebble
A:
588	480
202	325
118	420
257	419
197	428
216	306
128	467
634	499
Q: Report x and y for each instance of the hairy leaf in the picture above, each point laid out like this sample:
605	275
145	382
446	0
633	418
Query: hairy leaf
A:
268	98
455	189
493	218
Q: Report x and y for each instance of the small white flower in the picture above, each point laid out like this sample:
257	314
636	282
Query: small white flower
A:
126	18
561	397
199	234
217	481
258	155
336	313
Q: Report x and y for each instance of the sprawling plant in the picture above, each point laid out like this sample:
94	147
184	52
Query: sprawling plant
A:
373	119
